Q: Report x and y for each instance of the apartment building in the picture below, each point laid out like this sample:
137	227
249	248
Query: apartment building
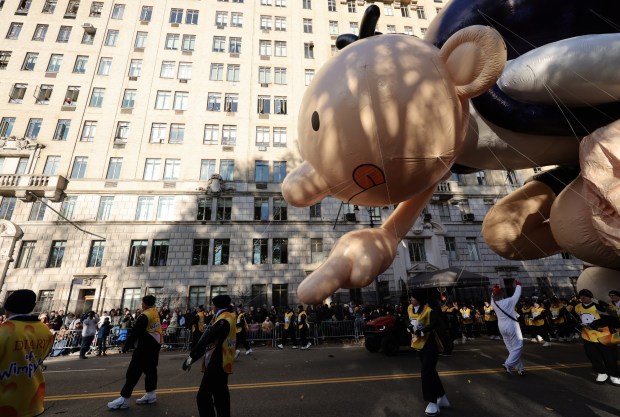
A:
143	145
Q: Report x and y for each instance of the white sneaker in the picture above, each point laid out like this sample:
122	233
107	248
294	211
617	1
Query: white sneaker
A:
521	372
614	380
431	409
546	344
237	352
248	352
601	378
442	402
540	339
534	340
293	347
148	398
306	346
119	403
280	346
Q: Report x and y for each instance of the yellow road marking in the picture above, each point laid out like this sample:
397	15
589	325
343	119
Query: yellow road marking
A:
275	384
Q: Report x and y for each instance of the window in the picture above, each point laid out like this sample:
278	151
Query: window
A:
137	253
181	99
280	209
114	169
152	168
387	10
450	243
64	34
39	33
279	104
54	63
57	252
172	169
472	249
236	19
333	28
221	249
177	133
37	212
111	37
261	171
260	251
409	30
30	61
172	41
5	56
221	19
22	163
565	255
217	72
167	69
331	5
279	136
309	75
191	17
158	132
25	254
261	208
205	208
229	135
279	3
265	22
122	132
95	9
71	96
6	207
308	50
17	93
163	100
197	296
176	16
351	6
227	169
95	257
159	252
88	38
145	208
315	211
264	104
51	165
214	101
43	94
146	13
234	45
88	131
420	11
279	295
80	64
131	297
307	4
105	208
391	29
200	252
14	30
264	47
104	66
96	98
404	11
129	99
280	251
49	6
279	171
33	128
79	167
280	24
307	24
481	178
224	208
212	134
189	43
140	42
280	48
444	212
135	68
6	126
233	72
262	136
219	44
118	11
185	70
316	250
417	253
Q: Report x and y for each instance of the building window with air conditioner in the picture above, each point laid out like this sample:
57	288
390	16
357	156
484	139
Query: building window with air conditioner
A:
158	132
17	93
264	105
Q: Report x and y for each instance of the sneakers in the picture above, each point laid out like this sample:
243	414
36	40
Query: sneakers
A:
294	347
614	380
248	352
119	403
521	372
507	368
237	352
431	409
280	346
307	346
601	378
148	398
442	402
534	340
546	344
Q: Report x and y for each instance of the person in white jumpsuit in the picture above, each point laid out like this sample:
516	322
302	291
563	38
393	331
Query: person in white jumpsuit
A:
509	327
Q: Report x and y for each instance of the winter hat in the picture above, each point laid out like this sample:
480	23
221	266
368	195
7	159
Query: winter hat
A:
587	293
149	300
221	301
497	290
21	301
419	295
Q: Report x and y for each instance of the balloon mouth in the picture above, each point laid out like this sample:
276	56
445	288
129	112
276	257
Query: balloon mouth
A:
368	176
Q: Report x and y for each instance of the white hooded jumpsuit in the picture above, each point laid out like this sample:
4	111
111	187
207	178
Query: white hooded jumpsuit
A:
509	328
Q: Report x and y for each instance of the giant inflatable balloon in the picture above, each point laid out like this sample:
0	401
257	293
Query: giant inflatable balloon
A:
387	118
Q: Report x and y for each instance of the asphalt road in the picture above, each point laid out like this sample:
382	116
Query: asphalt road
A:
342	380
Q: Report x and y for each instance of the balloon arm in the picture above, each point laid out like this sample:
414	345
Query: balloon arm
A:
404	217
304	186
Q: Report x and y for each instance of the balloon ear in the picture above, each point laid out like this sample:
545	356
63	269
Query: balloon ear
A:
475	57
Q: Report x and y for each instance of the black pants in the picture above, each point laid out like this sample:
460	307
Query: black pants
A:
432	387
101	345
213	398
86	342
303	335
542	331
604	358
492	328
242	340
141	363
469	330
290	332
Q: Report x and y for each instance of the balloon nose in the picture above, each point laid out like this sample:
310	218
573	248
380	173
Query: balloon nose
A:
368	176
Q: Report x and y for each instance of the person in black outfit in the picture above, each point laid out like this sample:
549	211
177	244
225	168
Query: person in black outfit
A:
217	345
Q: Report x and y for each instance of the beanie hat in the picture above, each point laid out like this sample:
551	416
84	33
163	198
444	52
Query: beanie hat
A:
419	295
497	290
587	293
149	300
614	292
221	301
21	301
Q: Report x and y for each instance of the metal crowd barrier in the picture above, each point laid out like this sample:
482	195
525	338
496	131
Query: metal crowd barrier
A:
339	330
176	338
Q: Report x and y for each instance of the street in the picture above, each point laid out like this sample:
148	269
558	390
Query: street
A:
343	380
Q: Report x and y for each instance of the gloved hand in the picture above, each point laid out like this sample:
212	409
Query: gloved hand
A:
517	282
187	364
419	333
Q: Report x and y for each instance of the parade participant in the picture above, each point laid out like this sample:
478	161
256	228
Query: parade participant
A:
468	322
198	324
102	337
560	320
509	327
25	343
490	319
89	331
146	339
242	328
217	345
302	320
604	358
289	329
539	327
614	305
452	312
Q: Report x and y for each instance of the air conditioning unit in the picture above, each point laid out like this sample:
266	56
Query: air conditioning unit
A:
89	28
133	78
264	85
262	148
183	80
220	26
469	217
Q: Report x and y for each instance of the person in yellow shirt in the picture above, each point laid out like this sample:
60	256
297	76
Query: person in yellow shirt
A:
490	320
467	320
25	343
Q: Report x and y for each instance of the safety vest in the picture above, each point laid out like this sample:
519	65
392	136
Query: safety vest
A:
466	315
201	321
527	316
556	317
302	314
24	345
154	326
288	319
242	324
615	309
418	321
588	315
537	316
489	314
230	343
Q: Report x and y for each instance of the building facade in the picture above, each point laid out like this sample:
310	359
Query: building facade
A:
143	145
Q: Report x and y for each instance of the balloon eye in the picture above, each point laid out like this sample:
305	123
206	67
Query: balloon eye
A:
316	123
